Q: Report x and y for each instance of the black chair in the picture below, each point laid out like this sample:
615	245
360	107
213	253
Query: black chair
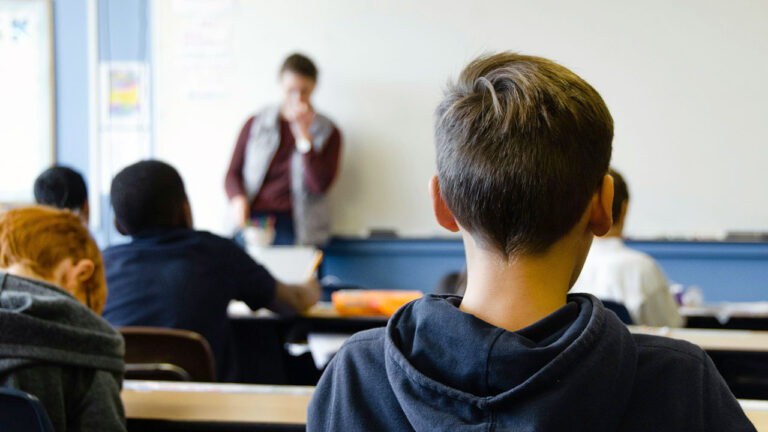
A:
619	309
22	412
167	354
745	372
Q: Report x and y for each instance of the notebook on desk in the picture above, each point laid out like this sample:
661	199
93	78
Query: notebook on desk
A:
288	264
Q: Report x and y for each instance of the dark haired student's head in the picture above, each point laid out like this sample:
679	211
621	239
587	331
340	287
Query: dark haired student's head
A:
523	144
620	204
149	195
63	188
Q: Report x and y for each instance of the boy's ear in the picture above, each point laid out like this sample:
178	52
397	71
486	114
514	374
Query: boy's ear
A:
601	215
83	270
442	212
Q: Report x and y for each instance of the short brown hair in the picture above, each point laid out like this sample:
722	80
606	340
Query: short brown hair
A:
40	238
620	193
522	145
300	64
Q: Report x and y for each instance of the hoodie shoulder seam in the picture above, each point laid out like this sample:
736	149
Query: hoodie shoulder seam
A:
424	382
355	339
697	356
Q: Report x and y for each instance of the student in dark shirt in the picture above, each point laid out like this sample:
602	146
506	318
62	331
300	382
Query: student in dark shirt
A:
523	146
171	275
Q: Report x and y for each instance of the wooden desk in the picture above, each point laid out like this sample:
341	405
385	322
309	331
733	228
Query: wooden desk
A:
712	339
260	338
320	311
225	403
256	404
321	317
757	412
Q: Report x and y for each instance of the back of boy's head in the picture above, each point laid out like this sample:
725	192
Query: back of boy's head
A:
620	194
522	145
61	187
40	238
148	195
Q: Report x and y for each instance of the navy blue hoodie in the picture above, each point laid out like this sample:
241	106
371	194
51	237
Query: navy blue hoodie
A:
436	368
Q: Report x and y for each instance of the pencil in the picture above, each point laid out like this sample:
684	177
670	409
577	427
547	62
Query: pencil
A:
315	264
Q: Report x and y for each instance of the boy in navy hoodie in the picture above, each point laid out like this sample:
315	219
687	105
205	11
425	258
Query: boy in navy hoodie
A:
523	147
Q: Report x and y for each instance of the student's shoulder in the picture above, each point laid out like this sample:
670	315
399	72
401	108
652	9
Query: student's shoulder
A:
117	249
367	345
366	339
215	241
661	349
211	237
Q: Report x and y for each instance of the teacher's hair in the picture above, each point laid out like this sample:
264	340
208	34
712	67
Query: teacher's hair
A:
300	64
149	195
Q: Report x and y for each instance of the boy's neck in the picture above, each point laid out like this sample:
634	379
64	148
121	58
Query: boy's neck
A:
513	293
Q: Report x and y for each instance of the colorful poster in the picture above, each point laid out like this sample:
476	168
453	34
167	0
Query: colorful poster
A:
125	94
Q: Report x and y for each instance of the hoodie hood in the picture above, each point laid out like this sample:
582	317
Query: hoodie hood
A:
464	371
41	323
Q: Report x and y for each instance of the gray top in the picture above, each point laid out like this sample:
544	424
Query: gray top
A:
57	349
310	210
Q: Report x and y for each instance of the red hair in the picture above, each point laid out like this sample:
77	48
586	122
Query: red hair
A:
40	238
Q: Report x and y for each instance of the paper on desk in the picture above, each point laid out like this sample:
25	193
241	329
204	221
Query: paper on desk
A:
324	346
288	264
237	308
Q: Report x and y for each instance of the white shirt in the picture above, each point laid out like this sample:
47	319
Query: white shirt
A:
612	271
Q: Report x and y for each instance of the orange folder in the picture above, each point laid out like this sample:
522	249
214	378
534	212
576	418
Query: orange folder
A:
371	302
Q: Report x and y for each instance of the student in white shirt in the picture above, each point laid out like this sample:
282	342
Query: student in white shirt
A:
615	272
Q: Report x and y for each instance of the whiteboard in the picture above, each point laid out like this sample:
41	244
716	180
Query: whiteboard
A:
26	96
684	80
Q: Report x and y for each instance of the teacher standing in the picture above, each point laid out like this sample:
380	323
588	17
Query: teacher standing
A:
285	160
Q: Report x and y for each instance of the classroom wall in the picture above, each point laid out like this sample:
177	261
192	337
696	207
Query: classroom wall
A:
70	33
88	33
684	81
205	133
725	272
124	35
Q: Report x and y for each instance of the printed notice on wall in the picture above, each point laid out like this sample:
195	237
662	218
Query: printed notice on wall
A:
124	95
201	43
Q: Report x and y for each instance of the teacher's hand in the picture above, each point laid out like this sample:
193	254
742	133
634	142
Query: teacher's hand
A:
240	210
301	116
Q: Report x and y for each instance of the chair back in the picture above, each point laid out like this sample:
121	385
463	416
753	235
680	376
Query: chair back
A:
22	412
167	355
745	372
